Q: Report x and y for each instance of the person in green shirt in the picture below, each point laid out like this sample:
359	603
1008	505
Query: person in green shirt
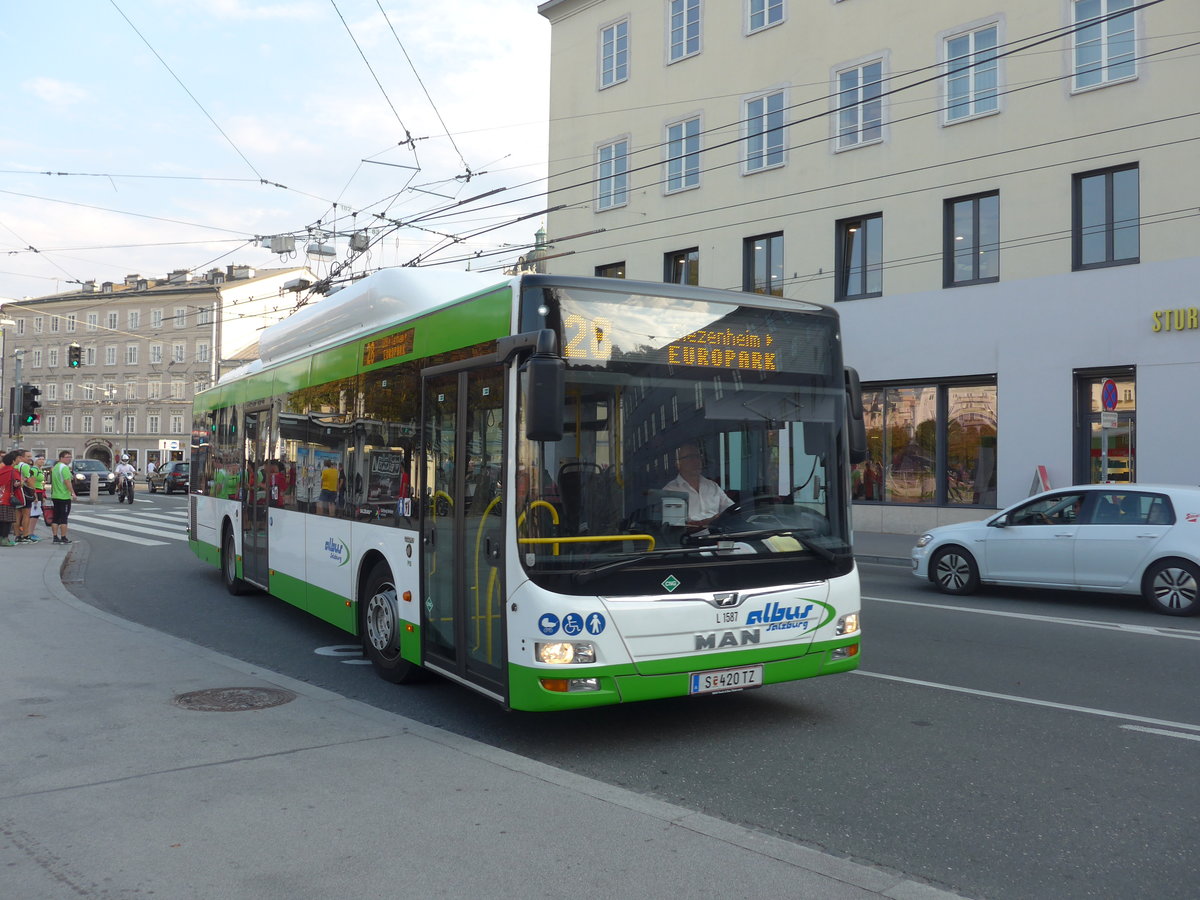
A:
24	528
62	492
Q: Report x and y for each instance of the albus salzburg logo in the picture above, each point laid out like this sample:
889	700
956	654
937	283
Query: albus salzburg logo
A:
337	551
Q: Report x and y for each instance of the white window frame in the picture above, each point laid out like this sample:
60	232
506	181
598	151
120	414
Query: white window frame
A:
612	174
973	73
52	391
683	154
156	356
110	356
89	423
113	321
156	318
765	8
152	424
131	390
36	358
37	324
93	321
181	314
70	323
131	354
682	17
1107	33
153	390
134	318
757	125
52	357
202	351
847	140
68	391
613	68
176	424
68	423
130	423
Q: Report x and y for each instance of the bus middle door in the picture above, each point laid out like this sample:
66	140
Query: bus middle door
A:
463	525
255	498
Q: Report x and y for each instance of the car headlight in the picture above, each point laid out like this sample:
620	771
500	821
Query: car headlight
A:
565	653
924	540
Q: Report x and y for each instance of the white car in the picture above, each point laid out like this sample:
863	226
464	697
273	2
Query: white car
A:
1126	539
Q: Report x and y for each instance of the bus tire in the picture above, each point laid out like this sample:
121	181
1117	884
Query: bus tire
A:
379	624
229	575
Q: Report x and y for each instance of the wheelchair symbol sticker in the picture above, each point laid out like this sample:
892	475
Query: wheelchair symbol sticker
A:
572	624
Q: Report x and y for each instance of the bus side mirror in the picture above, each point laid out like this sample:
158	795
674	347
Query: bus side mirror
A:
545	378
854	417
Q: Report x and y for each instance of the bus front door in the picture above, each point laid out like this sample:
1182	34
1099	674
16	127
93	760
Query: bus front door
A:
463	526
254	499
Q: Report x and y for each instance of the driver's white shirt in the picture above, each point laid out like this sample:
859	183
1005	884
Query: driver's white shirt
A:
126	469
705	503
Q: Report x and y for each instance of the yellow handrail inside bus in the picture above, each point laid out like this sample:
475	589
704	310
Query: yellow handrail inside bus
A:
553	516
481	612
592	538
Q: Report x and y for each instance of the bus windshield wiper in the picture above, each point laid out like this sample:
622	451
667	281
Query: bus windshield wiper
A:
585	575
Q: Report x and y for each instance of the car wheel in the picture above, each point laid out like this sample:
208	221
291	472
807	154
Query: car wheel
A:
380	627
1172	587
229	575
953	571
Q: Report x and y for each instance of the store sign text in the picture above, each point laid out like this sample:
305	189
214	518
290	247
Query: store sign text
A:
1184	319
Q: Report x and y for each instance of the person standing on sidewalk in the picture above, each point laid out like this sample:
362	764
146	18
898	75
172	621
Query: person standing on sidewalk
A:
39	488
10	481
24	465
62	492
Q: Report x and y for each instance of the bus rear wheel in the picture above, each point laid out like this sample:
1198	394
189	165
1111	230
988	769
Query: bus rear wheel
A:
380	627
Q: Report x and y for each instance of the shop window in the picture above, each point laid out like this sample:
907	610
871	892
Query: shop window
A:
929	444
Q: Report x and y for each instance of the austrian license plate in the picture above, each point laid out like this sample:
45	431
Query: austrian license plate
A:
725	680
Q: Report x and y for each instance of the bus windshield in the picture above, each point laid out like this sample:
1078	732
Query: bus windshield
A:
696	432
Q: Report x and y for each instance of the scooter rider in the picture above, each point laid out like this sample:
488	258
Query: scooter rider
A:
125	473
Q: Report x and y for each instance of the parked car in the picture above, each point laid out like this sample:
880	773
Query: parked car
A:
83	469
1117	538
170	477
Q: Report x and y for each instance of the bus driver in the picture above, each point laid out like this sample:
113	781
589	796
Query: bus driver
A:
706	500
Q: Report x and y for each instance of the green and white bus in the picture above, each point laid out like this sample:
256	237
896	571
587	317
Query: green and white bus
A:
477	476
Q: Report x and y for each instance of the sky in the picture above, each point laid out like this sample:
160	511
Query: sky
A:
178	132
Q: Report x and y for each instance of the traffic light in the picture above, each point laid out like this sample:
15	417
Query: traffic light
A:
30	405
74	356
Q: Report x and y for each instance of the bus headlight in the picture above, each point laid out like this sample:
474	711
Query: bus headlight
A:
565	653
848	624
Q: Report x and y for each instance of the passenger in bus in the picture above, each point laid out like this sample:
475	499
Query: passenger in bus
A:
706	500
327	499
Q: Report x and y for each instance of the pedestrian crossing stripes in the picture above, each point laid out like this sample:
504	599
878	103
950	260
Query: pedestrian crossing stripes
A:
129	525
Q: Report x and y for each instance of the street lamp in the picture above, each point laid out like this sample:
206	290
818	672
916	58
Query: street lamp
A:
9	403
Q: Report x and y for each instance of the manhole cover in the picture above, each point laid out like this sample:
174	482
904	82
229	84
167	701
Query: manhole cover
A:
236	699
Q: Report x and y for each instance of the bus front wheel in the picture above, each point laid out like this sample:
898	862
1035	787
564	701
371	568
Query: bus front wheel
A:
229	574
380	628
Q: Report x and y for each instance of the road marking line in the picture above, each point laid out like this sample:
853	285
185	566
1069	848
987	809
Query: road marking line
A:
1055	620
118	522
72	526
1087	710
1174	734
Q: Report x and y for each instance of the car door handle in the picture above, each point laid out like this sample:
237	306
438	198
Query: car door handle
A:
1066	534
1148	536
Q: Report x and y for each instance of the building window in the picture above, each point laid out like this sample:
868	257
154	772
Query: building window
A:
71	323
131	354
683	155
685	28
204	315
932	444
614	53
93	321
176	424
178	352
177	389
764	132
682	266
1105	213
972	74
112	321
156	318
134	317
51	424
36	359
52	391
109	425
612	270
860	106
180	316
52	357
89	392
971	242
764	14
612	162
156	354
68	391
1104	50
54	324
89	356
110	356
131	390
859	261
152	425
130	424
762	264
37	324
68	423
1105	454
202	351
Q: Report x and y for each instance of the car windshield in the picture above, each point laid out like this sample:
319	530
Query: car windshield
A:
90	465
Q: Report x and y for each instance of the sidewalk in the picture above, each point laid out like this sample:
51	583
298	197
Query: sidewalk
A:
110	789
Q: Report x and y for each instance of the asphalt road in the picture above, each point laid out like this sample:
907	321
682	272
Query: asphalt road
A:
1015	744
